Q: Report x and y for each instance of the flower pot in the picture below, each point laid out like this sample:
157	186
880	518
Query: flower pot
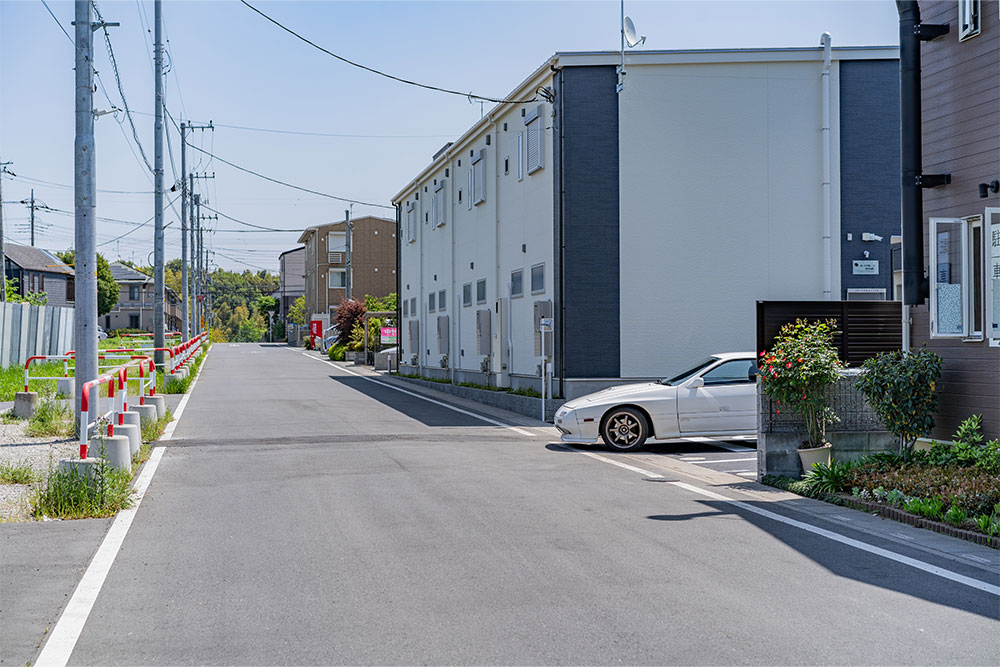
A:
815	455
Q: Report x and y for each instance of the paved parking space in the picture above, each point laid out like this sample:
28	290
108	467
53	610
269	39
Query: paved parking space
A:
736	457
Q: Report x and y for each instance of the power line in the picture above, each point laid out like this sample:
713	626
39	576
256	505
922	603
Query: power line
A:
248	224
139	226
469	95
289	185
239	261
70	187
49	9
121	90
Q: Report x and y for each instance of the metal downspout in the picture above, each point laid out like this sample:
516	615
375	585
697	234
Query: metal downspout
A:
825	41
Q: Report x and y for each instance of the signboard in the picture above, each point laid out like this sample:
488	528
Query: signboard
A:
545	324
865	267
316	328
389	335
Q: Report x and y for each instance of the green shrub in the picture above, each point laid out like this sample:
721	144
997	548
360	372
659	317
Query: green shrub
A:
337	352
988	523
901	387
798	370
973	489
829	478
955	515
69	495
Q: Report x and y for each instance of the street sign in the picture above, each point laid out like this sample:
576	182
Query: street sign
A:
389	335
545	324
316	328
865	267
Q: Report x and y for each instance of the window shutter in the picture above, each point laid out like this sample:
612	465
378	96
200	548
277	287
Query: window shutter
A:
534	127
443	340
440	204
479	177
483	331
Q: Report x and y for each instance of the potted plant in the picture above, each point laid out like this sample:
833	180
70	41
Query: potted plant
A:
796	374
901	387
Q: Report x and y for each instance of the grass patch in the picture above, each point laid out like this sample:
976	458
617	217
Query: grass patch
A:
152	430
12	379
50	419
69	495
180	386
17	473
8	417
141	456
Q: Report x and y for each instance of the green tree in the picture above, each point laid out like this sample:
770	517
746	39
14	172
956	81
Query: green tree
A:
107	287
33	298
902	389
297	311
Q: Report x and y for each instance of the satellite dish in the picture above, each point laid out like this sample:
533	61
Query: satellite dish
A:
630	34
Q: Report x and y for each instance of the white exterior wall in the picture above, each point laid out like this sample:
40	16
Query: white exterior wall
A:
721	204
484	242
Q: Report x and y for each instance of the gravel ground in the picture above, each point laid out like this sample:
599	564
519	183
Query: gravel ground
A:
39	453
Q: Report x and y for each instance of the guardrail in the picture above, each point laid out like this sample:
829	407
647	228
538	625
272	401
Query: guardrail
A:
46	357
90	406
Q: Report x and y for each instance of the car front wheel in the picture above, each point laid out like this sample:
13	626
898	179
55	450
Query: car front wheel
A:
624	429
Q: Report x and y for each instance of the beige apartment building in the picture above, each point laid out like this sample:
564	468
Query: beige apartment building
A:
373	262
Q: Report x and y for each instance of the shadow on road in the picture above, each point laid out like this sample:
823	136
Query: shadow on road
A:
422	410
850	563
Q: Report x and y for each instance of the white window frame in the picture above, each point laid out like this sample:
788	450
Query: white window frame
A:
478	177
336	272
432	302
520	156
970	19
542	289
331	237
966	276
439	204
442	300
468	192
513	294
534	128
485	290
411	222
466	292
991	291
406	307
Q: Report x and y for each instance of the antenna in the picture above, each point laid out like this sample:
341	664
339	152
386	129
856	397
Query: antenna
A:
628	39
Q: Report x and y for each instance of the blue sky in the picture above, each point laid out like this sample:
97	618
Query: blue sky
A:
231	66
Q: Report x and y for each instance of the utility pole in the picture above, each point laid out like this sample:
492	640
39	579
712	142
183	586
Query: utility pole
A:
185	329
84	191
159	339
3	254
32	217
348	229
196	249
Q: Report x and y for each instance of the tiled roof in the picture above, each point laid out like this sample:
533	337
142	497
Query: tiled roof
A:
35	259
126	274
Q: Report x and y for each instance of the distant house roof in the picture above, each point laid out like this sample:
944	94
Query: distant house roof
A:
301	248
309	231
35	259
126	274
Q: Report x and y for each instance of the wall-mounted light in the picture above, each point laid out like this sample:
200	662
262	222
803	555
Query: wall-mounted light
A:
986	188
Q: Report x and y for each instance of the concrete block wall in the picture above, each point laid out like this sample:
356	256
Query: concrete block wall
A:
858	433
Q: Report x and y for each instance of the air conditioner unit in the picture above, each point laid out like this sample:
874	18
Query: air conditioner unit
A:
334	258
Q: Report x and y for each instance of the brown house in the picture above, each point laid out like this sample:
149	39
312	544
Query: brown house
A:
960	105
373	262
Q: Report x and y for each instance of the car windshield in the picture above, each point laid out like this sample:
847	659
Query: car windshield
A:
686	375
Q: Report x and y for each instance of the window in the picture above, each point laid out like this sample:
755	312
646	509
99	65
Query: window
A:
481	291
336	242
993	276
517	283
538	278
442	300
968	18
467	294
506	166
133	321
535	152
411	222
431	300
133	295
406	307
439	205
413	306
478	178
520	155
738	371
336	279
71	290
957	277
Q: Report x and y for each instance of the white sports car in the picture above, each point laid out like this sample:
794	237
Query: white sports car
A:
715	398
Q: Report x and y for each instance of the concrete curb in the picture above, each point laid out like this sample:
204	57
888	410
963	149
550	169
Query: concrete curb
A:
902	516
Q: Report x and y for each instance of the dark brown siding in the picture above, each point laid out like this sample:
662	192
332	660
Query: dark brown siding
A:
961	130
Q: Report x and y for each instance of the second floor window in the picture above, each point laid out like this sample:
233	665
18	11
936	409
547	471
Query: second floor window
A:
133	292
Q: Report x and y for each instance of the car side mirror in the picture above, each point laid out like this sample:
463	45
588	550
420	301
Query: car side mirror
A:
696	382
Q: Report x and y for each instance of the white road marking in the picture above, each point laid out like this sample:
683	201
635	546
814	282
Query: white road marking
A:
816	530
429	400
62	640
746	473
836	537
720	444
754	458
692	458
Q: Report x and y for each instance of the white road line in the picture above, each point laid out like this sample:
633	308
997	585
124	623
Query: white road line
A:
745	473
692	458
754	458
720	444
429	400
836	537
605	459
62	640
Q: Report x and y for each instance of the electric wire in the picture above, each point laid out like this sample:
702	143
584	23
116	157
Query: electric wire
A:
289	185
121	90
139	226
248	224
470	96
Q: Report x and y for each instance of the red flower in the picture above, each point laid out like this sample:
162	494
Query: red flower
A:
763	353
788	365
801	360
777	412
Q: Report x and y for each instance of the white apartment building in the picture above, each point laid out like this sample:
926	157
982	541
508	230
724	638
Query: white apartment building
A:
646	223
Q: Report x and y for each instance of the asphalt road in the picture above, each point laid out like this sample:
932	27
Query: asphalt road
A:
304	515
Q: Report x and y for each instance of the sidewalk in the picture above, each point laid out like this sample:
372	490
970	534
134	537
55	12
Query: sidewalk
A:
843	520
